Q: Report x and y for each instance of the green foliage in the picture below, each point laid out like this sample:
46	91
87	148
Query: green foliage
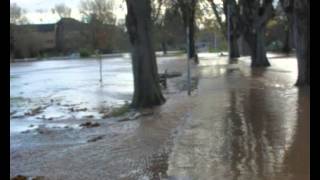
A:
275	46
84	53
178	53
212	50
223	46
272	23
42	56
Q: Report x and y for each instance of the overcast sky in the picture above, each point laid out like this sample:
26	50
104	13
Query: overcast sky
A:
35	16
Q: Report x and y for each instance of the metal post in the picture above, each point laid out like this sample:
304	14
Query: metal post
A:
100	66
100	69
188	60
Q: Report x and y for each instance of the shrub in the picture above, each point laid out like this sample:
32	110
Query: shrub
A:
275	46
84	53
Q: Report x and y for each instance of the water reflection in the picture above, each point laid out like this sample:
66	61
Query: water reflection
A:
264	127
297	159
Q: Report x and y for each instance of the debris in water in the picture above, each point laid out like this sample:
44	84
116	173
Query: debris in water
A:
42	130
26	131
89	124
20	177
44	118
135	116
170	75
95	138
77	110
34	111
17	116
88	116
106	115
13	112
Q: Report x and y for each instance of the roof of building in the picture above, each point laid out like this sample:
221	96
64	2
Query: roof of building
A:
40	27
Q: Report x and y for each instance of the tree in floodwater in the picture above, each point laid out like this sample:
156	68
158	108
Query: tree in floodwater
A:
233	14
17	15
99	14
168	27
285	19
157	20
300	12
188	9
147	92
254	17
62	10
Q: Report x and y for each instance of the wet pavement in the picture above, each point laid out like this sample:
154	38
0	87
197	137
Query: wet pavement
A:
238	124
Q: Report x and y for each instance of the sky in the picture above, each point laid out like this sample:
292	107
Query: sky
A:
45	15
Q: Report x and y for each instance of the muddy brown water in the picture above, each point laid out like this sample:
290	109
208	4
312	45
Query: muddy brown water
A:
238	124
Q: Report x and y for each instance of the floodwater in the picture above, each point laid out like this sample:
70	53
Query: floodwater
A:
238	124
35	83
245	124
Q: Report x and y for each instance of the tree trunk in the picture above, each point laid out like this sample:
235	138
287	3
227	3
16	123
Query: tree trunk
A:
243	46
234	29
147	92
164	47
288	29
302	40
257	47
254	17
192	49
234	49
286	45
188	15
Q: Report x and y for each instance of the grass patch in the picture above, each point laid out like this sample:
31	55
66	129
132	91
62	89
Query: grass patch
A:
14	77
119	111
42	56
216	50
180	53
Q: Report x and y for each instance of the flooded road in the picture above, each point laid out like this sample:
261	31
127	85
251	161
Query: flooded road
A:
238	124
245	124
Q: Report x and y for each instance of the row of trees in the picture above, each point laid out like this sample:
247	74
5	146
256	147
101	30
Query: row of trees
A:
245	17
152	20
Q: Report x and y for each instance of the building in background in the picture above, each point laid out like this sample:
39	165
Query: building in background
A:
67	36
